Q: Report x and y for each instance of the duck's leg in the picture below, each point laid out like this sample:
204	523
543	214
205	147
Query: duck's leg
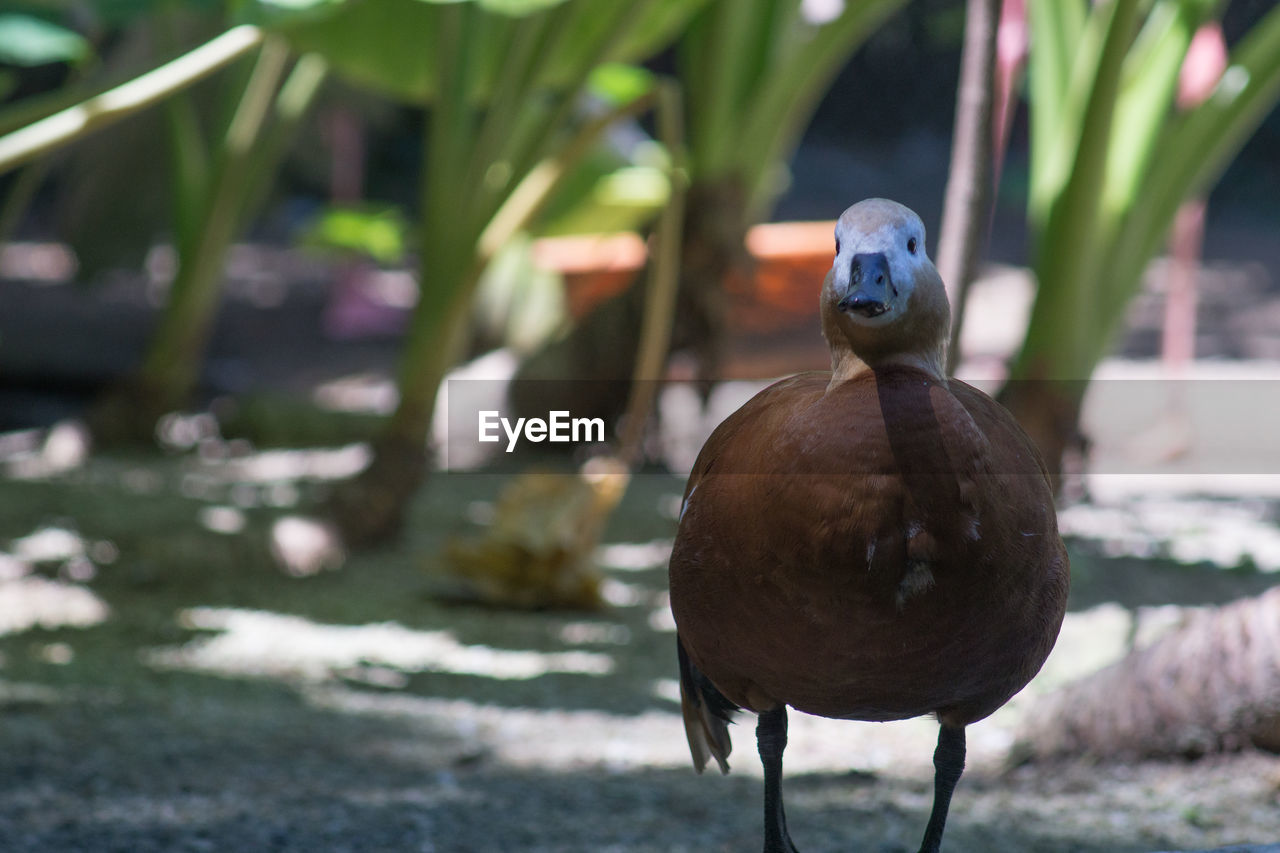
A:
948	763
771	738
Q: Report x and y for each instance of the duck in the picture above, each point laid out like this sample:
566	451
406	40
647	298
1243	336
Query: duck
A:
877	542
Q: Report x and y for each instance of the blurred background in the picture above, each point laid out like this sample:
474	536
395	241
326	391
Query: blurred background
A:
263	263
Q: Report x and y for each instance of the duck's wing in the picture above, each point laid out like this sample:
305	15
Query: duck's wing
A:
754	418
707	714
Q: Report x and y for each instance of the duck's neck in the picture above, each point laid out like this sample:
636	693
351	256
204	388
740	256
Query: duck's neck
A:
846	365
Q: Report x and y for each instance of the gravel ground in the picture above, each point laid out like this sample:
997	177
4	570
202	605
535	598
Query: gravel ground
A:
213	703
336	771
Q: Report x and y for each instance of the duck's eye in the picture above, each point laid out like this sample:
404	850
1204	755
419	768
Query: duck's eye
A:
911	245
837	245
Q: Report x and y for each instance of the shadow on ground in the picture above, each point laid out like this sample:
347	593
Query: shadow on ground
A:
223	705
265	772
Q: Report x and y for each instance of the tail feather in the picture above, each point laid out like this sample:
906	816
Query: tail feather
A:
707	714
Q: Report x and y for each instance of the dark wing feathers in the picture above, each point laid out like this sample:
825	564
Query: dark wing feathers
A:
707	714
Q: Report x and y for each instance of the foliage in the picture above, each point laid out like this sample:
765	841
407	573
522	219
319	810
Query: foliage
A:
375	231
215	169
1111	159
28	40
753	71
384	45
214	190
41	134
504	81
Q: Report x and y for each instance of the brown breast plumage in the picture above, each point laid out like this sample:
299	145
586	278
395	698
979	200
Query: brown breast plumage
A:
878	549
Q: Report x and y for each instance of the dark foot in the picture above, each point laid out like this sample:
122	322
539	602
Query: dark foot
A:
771	738
948	763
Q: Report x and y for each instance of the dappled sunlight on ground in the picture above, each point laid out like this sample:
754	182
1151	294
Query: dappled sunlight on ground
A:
635	555
1226	534
549	738
303	546
34	601
1098	637
34	454
369	393
29	600
259	644
269	466
563	739
214	463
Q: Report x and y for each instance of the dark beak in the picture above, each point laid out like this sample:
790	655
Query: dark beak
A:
870	285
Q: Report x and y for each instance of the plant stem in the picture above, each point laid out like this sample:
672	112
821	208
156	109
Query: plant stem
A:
447	283
968	199
189	156
172	361
1067	257
446	243
454	247
47	134
1058	30
296	96
438	329
535	149
786	97
663	285
531	195
527	50
726	89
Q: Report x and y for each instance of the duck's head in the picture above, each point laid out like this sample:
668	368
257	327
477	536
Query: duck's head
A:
883	301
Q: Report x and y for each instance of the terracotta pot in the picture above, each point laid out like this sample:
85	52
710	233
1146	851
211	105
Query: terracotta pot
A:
594	266
773	314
